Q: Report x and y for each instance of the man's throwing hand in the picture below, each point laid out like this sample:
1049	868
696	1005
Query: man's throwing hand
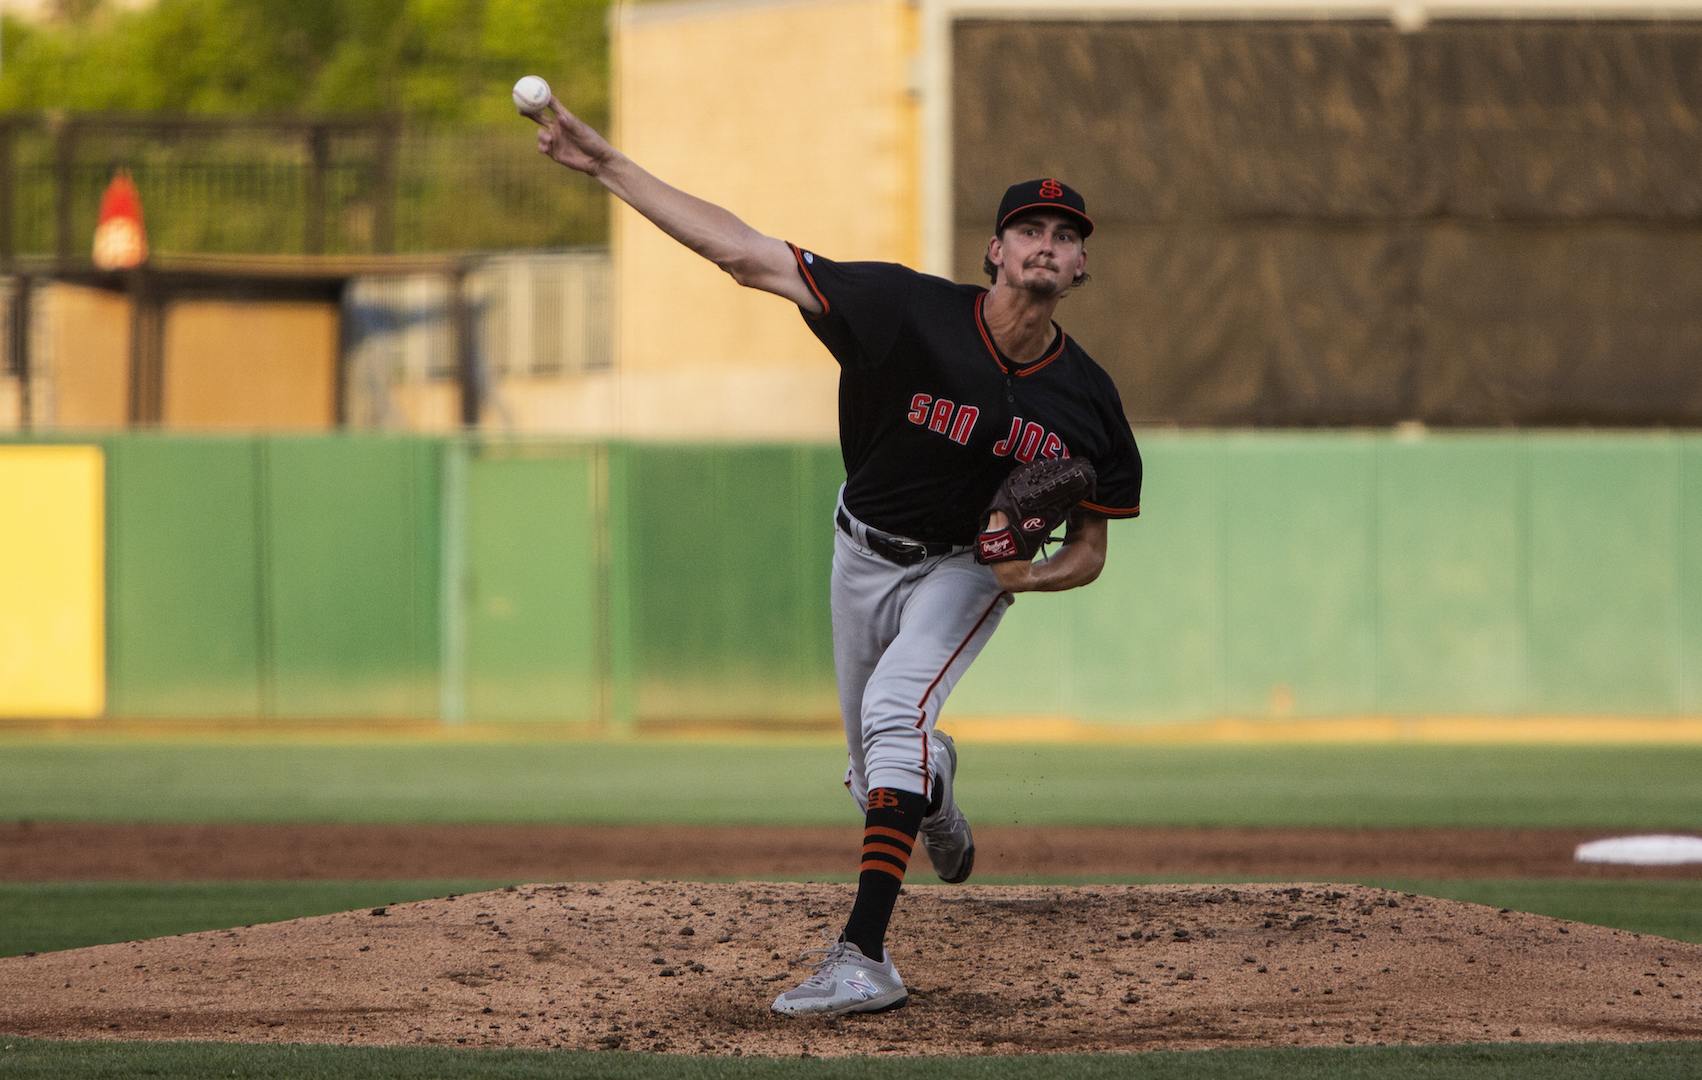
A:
565	138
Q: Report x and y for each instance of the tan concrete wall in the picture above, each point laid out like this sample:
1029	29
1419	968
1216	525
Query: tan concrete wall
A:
11	403
798	118
250	365
428	406
88	369
760	404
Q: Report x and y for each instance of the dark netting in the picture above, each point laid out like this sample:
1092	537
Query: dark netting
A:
1337	223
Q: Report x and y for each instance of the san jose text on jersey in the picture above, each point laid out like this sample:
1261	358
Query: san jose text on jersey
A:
932	417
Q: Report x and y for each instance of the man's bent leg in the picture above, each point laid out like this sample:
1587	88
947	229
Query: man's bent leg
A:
948	616
921	627
947	620
856	975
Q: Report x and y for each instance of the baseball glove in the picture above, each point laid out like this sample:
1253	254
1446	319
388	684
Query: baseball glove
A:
1034	498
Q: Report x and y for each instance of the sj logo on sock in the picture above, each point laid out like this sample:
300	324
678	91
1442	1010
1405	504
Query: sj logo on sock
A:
883	799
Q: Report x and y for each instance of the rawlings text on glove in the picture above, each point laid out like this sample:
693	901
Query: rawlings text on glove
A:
1034	499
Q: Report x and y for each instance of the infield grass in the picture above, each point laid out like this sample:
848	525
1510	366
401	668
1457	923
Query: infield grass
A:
36	917
32	1059
1618	787
1669	909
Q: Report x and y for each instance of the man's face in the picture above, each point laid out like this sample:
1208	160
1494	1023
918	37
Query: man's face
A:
1040	253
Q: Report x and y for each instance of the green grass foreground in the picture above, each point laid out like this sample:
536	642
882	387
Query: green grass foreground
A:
27	1059
68	915
1619	787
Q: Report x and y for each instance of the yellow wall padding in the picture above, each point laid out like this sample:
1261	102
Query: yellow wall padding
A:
52	581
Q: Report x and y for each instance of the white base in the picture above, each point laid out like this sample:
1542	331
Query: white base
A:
1642	850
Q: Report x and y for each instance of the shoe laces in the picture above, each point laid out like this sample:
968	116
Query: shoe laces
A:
832	953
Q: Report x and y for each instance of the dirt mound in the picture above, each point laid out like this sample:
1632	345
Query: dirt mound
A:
691	968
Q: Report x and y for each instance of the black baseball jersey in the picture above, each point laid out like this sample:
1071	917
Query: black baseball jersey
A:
932	417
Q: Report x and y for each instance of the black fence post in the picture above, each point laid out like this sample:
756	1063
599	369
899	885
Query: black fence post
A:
461	342
147	348
64	175
318	154
8	192
18	343
384	195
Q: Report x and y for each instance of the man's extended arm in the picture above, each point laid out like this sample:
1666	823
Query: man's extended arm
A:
1076	563
754	260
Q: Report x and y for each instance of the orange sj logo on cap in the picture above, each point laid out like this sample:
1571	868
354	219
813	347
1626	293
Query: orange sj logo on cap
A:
1051	189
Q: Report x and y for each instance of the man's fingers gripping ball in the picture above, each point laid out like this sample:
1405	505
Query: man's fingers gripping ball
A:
531	95
1034	500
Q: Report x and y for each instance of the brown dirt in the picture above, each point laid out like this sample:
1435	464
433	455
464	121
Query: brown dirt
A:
69	852
690	968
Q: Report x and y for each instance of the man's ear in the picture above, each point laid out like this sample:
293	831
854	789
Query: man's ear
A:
995	252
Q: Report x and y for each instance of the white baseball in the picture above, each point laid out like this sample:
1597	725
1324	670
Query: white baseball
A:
531	95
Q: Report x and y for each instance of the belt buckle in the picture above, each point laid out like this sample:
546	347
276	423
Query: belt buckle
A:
906	552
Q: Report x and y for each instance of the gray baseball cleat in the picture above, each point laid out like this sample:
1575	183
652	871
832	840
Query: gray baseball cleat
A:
845	981
945	834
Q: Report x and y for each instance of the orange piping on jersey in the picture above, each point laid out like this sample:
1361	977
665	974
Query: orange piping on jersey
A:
809	279
1037	365
1113	511
987	340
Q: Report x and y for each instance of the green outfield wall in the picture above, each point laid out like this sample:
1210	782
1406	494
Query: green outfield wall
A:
1270	575
292	577
1275	575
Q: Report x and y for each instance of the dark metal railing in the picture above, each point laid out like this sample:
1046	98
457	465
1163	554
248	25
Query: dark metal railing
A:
287	185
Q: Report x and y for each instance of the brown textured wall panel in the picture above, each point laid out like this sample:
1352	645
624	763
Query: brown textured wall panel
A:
250	365
1336	223
1589	325
89	332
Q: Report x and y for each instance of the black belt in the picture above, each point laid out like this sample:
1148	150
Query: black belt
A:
894	549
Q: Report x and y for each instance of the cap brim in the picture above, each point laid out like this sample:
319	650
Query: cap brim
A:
1087	222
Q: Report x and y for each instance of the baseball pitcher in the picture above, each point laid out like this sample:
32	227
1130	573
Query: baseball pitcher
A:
972	427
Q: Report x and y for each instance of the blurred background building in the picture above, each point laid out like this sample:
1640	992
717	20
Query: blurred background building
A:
1348	215
491	447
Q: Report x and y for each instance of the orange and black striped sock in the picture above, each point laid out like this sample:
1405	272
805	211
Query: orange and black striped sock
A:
889	836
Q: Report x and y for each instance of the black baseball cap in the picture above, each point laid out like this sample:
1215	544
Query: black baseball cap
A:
1042	195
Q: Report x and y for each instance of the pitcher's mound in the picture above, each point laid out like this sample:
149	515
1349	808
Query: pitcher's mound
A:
692	968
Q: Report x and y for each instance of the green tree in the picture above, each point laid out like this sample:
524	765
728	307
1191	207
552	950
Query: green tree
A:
440	60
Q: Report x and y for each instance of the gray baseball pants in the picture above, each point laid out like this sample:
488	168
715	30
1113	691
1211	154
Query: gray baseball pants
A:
902	637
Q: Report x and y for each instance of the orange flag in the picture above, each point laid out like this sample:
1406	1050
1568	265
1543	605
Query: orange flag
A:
121	243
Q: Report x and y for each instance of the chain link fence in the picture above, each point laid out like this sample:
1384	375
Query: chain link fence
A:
220	185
